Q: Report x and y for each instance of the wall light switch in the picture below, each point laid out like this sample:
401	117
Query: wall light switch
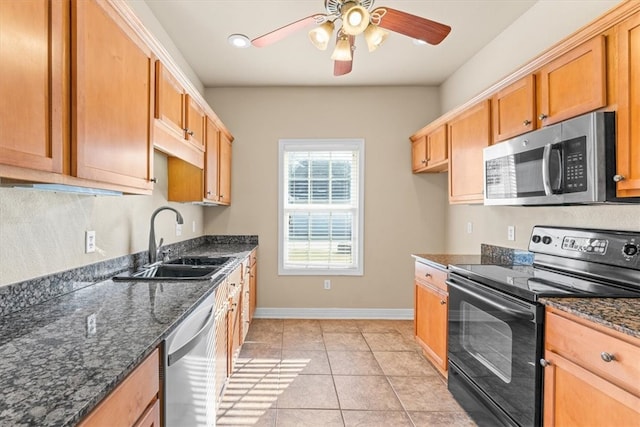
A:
511	232
193	226
178	229
469	227
89	241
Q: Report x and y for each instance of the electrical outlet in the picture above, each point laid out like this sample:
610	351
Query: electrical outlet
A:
193	226
327	284
89	242
469	227
511	232
91	324
178	229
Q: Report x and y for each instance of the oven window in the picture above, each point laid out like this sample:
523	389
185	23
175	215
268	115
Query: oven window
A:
488	339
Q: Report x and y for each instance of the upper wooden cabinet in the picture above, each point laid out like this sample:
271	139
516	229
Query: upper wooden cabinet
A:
188	183
469	134
574	83
591	374
628	127
513	109
429	151
111	98
75	107
34	116
180	120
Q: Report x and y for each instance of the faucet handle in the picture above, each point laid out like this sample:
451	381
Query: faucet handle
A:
165	254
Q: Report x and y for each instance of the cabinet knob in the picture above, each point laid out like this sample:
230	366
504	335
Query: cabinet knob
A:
527	122
542	116
154	180
544	363
442	302
607	357
427	274
423	161
618	178
208	193
190	133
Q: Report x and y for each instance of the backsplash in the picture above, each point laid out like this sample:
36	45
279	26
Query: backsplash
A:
491	254
17	296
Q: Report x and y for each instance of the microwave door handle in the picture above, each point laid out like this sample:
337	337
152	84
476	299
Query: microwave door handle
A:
546	161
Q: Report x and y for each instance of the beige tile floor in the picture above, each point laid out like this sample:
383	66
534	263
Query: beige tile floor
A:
336	373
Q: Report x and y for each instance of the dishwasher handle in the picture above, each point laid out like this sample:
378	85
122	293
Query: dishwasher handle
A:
174	357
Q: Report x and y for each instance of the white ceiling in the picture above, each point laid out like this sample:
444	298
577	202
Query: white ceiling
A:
199	29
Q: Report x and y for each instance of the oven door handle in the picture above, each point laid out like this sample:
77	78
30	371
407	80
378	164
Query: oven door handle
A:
512	312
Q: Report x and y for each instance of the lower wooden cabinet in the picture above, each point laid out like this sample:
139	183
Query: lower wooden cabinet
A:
591	374
135	402
234	318
430	307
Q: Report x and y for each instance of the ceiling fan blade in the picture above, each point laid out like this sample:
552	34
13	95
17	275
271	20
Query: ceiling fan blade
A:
282	32
340	68
411	25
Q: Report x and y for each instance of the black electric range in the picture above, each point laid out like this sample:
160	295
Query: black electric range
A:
496	324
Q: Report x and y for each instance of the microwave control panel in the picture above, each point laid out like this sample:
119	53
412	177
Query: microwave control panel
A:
574	153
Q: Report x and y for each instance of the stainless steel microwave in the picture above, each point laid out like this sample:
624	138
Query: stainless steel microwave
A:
572	162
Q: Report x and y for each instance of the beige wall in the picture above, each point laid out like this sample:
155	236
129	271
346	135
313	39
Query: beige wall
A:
404	213
43	232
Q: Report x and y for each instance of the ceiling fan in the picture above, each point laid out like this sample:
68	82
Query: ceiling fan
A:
357	17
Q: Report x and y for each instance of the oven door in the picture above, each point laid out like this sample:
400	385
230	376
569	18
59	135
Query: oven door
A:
494	344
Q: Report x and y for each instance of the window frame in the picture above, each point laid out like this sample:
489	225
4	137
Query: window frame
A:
322	144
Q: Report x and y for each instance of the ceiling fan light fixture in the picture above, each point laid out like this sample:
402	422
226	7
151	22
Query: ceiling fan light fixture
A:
375	36
342	52
321	35
355	20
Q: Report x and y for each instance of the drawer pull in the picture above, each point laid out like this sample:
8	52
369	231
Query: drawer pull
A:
442	302
544	363
526	122
427	275
607	357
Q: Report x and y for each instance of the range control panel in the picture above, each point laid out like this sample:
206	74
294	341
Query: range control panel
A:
617	248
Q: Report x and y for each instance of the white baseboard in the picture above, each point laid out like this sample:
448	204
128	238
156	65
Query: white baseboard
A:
334	313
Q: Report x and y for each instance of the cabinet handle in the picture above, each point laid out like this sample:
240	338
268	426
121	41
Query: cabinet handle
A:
527	122
442	302
542	116
544	363
618	178
607	357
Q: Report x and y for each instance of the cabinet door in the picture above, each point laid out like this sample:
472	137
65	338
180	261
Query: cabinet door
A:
211	158
513	109
169	108
224	171
111	98
34	43
221	331
151	418
437	148
574	396
195	124
574	83
253	288
419	154
431	323
628	135
469	134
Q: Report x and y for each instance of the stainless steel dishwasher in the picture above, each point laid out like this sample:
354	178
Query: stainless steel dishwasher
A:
189	366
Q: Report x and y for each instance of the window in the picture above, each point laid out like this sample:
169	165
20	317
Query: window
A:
320	202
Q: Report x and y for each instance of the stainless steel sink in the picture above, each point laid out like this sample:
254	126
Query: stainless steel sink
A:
171	272
199	261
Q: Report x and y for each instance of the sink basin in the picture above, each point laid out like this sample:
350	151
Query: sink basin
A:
198	261
171	272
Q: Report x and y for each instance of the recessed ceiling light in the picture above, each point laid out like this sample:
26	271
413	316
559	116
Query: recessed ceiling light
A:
419	42
239	40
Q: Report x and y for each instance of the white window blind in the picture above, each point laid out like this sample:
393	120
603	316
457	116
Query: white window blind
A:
321	206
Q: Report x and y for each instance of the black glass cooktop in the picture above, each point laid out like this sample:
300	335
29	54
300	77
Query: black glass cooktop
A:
530	282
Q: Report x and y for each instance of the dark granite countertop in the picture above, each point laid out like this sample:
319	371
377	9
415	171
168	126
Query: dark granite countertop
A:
442	261
621	314
52	373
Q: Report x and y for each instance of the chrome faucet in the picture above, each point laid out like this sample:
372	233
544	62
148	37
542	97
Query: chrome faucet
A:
153	249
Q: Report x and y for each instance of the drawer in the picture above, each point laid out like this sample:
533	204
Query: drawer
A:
129	401
431	275
584	345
